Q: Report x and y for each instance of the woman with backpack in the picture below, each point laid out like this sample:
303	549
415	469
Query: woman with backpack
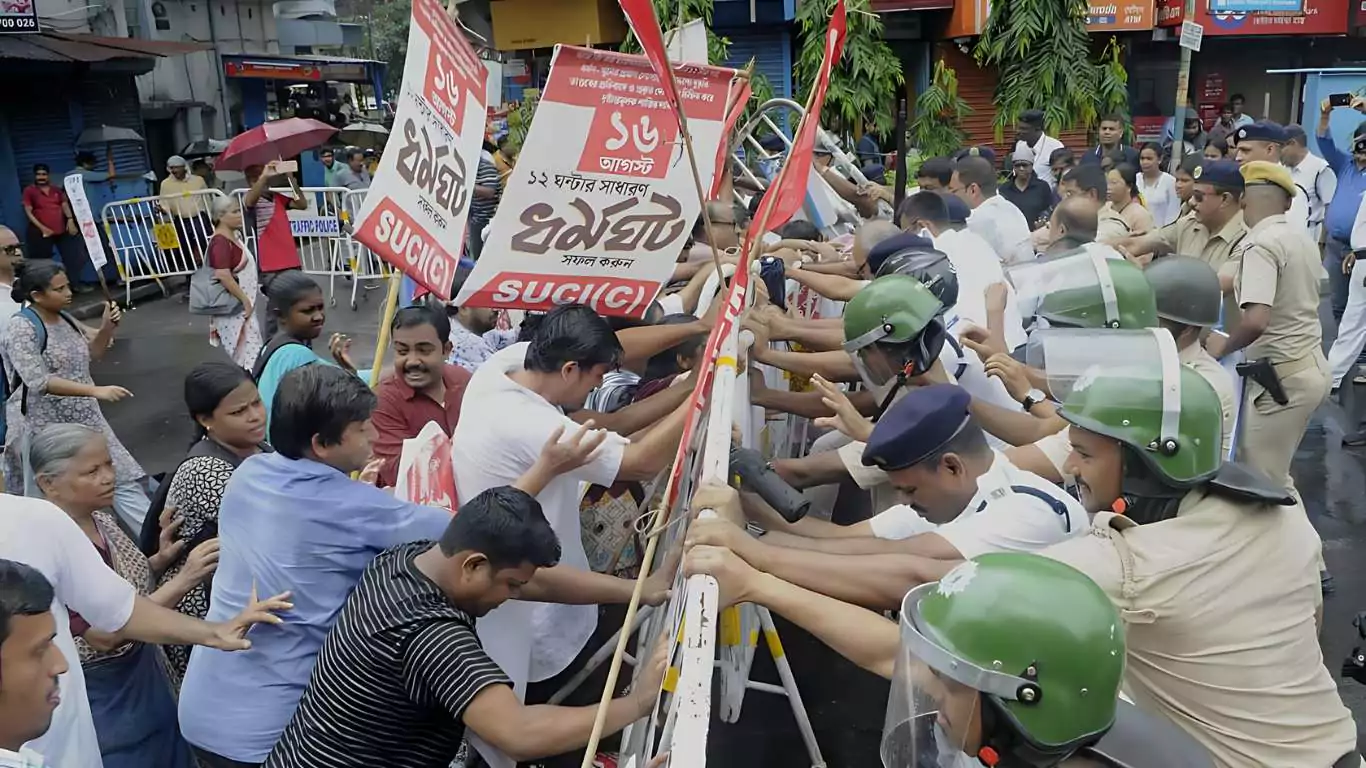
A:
230	426
48	356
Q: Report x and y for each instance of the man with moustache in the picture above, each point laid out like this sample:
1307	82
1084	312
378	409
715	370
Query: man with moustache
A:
422	388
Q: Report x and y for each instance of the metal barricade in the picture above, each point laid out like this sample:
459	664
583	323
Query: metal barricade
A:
158	237
368	271
319	235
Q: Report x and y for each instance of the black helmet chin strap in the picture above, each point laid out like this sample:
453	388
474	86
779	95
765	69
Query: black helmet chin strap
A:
1148	497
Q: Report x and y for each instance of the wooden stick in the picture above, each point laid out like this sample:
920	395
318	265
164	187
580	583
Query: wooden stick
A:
390	307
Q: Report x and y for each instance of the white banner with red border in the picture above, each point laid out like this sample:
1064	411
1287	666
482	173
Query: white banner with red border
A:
602	199
415	212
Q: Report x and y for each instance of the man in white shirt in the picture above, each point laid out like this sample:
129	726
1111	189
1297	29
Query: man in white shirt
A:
10	254
1263	140
938	457
1029	134
1312	174
38	534
32	663
514	403
972	257
994	218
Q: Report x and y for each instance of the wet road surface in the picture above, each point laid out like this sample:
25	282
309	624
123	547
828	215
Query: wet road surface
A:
160	342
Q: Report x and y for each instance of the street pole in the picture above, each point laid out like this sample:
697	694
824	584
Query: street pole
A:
1183	77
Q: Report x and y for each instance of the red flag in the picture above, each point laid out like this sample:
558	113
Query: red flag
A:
790	186
641	15
737	107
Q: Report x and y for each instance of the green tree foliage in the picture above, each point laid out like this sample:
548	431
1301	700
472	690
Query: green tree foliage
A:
939	112
390	36
1042	53
671	15
865	83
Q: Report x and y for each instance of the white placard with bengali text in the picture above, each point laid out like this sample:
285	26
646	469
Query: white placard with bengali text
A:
415	212
602	198
85	220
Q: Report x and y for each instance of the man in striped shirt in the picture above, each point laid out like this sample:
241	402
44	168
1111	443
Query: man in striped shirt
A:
406	639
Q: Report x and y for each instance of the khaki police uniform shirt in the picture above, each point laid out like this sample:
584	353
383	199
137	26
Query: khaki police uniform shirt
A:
1197	359
1110	226
1280	268
1188	237
1218	605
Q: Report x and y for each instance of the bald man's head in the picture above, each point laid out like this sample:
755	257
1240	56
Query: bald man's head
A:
1076	218
7	237
868	237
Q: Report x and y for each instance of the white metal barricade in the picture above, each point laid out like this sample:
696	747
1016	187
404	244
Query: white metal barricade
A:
160	236
368	271
323	242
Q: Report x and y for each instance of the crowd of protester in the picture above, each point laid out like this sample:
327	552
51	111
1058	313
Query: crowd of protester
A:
273	602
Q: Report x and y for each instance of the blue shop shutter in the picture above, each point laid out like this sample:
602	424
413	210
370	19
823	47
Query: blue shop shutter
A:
772	54
40	132
114	101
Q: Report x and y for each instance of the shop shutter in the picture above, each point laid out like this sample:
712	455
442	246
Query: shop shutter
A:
772	54
40	132
114	101
977	87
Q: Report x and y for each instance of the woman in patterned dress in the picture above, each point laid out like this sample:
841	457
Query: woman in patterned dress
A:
131	700
234	268
56	380
230	425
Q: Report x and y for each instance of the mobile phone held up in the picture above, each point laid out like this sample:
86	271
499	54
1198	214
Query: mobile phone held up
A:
1339	99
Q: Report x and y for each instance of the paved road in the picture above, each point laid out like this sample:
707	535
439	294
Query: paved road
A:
160	342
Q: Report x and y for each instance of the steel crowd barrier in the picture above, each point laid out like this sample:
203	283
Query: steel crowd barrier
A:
318	232
156	237
368	271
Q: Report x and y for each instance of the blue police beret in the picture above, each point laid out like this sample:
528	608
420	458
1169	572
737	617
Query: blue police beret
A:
904	241
1219	173
917	426
1262	130
958	210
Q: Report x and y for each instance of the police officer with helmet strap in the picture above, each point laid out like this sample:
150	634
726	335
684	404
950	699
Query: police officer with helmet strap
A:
1213	568
1277	287
931	450
1011	660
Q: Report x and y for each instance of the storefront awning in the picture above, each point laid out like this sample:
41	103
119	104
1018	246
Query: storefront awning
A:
301	68
89	49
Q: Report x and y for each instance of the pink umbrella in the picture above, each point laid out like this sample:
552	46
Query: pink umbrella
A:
273	141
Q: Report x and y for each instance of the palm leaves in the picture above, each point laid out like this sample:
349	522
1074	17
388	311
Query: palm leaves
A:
939	114
1042	53
865	82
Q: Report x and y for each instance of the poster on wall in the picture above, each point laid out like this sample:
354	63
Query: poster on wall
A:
1318	17
602	224
18	17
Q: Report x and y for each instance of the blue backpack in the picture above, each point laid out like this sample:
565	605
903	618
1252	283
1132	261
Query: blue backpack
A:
10	382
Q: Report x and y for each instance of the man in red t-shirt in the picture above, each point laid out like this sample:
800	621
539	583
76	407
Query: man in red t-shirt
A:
51	224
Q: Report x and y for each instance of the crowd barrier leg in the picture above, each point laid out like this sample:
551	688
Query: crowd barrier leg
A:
600	657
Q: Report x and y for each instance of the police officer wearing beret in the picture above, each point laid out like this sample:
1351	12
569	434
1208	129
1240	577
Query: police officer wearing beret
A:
971	500
1263	140
1277	287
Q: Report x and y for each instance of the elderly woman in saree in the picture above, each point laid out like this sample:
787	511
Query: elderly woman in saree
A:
131	698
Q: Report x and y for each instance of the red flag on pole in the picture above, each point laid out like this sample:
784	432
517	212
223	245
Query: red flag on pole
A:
641	16
789	190
738	103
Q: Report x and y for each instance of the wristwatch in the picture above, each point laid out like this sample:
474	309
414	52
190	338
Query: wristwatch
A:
1032	399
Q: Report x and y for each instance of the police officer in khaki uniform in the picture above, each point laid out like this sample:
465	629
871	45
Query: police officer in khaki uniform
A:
1213	228
1277	287
1213	568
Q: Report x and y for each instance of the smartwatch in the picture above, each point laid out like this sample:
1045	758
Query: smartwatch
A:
1032	399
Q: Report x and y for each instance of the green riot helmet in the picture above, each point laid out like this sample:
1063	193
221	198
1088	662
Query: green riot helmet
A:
1086	289
891	328
1187	290
1028	645
1130	386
